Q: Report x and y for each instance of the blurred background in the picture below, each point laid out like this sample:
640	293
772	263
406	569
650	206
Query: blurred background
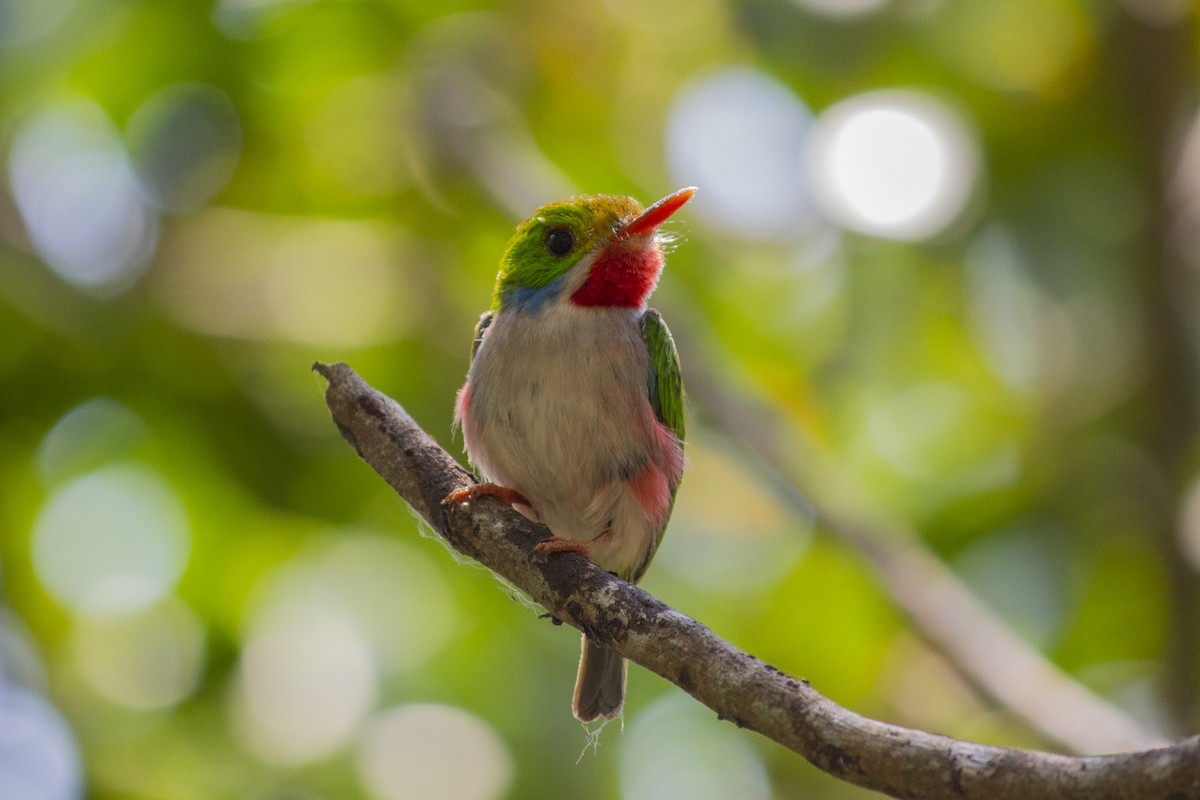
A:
939	276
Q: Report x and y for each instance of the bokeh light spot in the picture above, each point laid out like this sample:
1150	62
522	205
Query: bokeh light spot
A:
390	590
26	21
908	426
674	752
938	435
91	433
79	199
20	659
38	755
1189	528
1008	312
893	164
112	541
322	628
740	135
1185	188
1023	573
150	659
242	19
338	283
433	751
306	680
332	283
184	143
841	8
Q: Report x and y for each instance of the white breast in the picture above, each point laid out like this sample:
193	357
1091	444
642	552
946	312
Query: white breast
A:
559	410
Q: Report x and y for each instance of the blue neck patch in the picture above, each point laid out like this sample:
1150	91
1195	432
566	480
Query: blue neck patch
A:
530	298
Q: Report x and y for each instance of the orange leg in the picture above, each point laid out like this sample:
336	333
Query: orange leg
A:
475	491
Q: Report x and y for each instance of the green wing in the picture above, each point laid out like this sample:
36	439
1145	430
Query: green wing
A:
665	382
485	319
666	392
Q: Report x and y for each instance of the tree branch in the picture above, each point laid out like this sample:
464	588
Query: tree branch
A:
974	640
897	761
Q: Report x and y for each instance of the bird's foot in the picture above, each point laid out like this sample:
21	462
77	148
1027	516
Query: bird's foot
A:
556	544
510	496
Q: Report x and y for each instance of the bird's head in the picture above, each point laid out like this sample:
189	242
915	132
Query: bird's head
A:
590	251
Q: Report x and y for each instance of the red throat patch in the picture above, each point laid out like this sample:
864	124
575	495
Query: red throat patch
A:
621	278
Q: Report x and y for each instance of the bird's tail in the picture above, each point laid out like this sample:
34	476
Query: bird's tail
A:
600	685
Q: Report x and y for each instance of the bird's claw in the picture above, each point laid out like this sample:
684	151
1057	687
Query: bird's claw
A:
557	544
473	492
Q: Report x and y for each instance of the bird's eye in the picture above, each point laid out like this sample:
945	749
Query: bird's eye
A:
559	241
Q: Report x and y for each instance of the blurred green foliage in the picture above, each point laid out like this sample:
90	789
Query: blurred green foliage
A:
202	198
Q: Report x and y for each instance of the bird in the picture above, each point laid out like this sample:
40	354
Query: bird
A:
573	406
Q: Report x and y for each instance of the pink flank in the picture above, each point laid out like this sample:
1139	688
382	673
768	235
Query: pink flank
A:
651	489
652	486
460	406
